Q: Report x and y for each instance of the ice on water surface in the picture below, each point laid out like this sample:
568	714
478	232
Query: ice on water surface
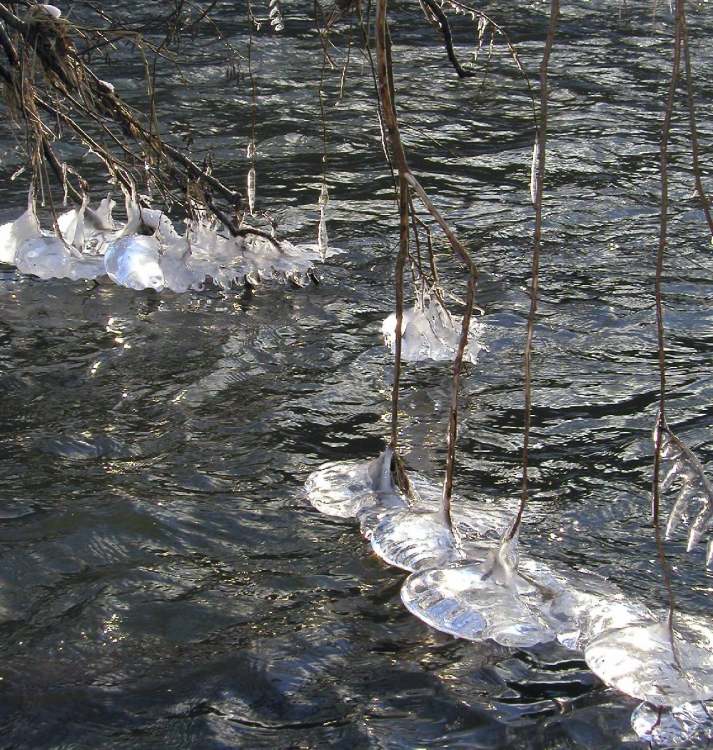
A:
49	257
429	331
516	601
14	233
689	725
414	541
492	599
342	489
417	536
147	252
639	660
133	262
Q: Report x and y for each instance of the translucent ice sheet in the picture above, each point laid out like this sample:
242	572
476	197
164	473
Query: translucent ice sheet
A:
638	660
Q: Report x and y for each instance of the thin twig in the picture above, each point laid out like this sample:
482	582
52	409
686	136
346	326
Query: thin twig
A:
534	288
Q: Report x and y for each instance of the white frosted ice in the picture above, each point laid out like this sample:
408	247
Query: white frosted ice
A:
51	10
134	262
639	660
178	274
689	725
14	233
429	331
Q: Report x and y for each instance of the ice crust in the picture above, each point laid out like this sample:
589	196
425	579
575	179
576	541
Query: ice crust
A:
474	584
147	252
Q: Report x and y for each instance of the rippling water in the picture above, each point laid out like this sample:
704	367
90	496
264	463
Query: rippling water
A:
163	582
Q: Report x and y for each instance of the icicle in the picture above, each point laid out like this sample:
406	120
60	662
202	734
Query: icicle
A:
680	465
482	26
251	152
251	190
534	170
322	237
276	17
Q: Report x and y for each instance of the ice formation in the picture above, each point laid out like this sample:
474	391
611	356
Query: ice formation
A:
472	602
689	725
51	10
681	468
14	233
470	585
417	536
342	489
515	602
640	661
147	252
429	331
133	262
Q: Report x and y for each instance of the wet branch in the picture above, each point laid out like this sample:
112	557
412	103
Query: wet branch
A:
408	181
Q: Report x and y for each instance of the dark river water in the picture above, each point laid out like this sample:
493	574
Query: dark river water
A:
163	581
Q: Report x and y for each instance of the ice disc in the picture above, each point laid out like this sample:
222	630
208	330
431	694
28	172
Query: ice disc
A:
47	257
342	489
639	661
686	726
418	540
468	602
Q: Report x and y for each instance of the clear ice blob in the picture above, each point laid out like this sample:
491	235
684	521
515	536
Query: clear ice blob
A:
49	258
639	660
133	262
689	725
430	332
341	489
589	605
490	600
413	541
417	535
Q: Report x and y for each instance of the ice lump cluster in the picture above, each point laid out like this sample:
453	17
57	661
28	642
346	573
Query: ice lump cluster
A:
147	252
